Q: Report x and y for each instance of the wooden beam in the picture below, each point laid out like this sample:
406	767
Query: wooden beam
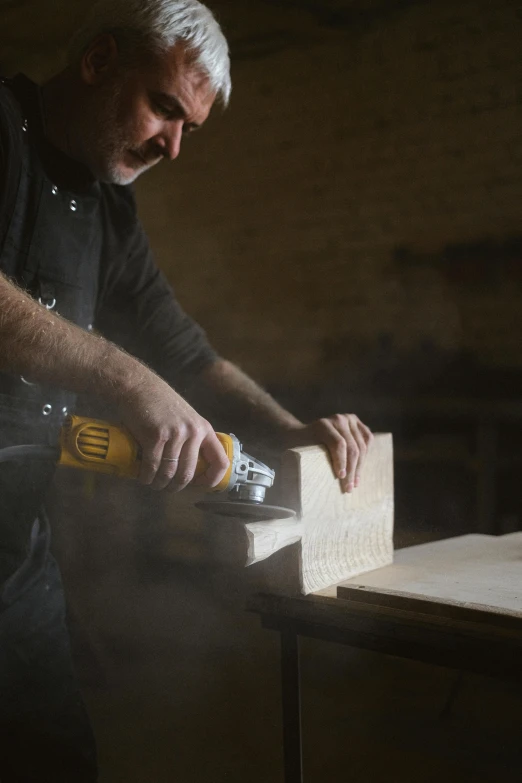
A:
344	533
340	535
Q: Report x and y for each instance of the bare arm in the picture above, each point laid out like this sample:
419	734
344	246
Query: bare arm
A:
46	348
236	396
232	395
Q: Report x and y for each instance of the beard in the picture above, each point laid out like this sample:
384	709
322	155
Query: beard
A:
107	141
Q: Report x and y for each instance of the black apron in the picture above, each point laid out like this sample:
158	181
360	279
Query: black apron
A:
50	247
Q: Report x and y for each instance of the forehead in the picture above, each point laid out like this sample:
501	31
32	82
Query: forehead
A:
175	73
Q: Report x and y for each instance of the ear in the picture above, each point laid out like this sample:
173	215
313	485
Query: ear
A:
100	59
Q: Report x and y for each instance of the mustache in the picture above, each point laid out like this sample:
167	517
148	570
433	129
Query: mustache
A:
150	154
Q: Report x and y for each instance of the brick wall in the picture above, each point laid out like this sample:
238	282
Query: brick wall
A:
345	145
363	152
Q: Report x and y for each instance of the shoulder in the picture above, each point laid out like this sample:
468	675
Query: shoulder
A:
11	149
9	107
11	118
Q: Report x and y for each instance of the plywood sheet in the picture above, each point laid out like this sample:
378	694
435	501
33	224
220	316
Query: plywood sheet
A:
469	572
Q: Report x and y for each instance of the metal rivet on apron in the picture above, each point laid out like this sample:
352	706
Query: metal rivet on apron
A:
27	383
54	190
90	328
25	125
65	411
48	305
47	410
73	205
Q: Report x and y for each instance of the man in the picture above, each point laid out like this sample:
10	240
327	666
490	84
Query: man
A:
141	75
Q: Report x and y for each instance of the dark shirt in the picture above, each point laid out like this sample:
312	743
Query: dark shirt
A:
135	306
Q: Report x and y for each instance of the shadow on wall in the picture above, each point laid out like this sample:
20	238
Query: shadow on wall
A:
479	265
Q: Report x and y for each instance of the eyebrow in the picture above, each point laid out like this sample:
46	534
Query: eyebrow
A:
174	104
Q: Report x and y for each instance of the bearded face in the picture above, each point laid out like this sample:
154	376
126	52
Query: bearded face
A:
139	116
117	141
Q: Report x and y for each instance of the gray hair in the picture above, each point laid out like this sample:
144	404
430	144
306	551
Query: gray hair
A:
155	26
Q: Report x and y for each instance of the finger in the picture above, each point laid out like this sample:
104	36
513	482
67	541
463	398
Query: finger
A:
150	461
357	434
214	454
336	445
188	460
365	431
364	438
351	450
169	464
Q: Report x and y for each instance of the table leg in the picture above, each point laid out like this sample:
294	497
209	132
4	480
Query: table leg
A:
487	446
291	700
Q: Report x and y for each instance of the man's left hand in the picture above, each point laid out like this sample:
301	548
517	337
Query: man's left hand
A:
347	440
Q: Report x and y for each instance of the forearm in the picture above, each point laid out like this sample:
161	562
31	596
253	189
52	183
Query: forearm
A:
48	349
237	396
232	395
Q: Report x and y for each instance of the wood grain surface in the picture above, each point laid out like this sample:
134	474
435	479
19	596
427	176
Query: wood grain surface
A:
455	577
344	534
340	535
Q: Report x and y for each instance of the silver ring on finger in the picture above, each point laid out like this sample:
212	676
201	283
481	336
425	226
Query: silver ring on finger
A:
170	459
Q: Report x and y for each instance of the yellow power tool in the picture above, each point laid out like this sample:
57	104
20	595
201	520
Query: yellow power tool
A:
94	445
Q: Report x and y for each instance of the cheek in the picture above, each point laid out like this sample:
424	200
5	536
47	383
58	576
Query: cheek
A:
149	128
143	124
137	122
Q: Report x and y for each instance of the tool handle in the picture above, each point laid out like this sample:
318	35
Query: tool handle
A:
98	446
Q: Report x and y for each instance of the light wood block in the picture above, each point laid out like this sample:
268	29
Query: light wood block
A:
340	535
344	534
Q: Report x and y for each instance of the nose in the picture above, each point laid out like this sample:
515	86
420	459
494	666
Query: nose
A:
170	139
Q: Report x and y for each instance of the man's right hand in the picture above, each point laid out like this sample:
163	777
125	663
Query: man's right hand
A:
171	435
45	348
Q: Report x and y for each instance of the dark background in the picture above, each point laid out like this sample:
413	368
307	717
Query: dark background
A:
349	232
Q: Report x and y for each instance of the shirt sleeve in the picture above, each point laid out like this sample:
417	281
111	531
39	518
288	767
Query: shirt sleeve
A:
139	311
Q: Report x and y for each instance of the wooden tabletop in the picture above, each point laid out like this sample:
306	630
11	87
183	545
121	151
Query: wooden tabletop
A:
459	575
457	603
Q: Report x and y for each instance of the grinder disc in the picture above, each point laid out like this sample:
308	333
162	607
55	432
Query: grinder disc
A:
252	512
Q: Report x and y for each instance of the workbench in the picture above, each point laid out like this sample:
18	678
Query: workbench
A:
454	603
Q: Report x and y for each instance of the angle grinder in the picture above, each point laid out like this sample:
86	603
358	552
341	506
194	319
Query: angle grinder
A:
94	445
